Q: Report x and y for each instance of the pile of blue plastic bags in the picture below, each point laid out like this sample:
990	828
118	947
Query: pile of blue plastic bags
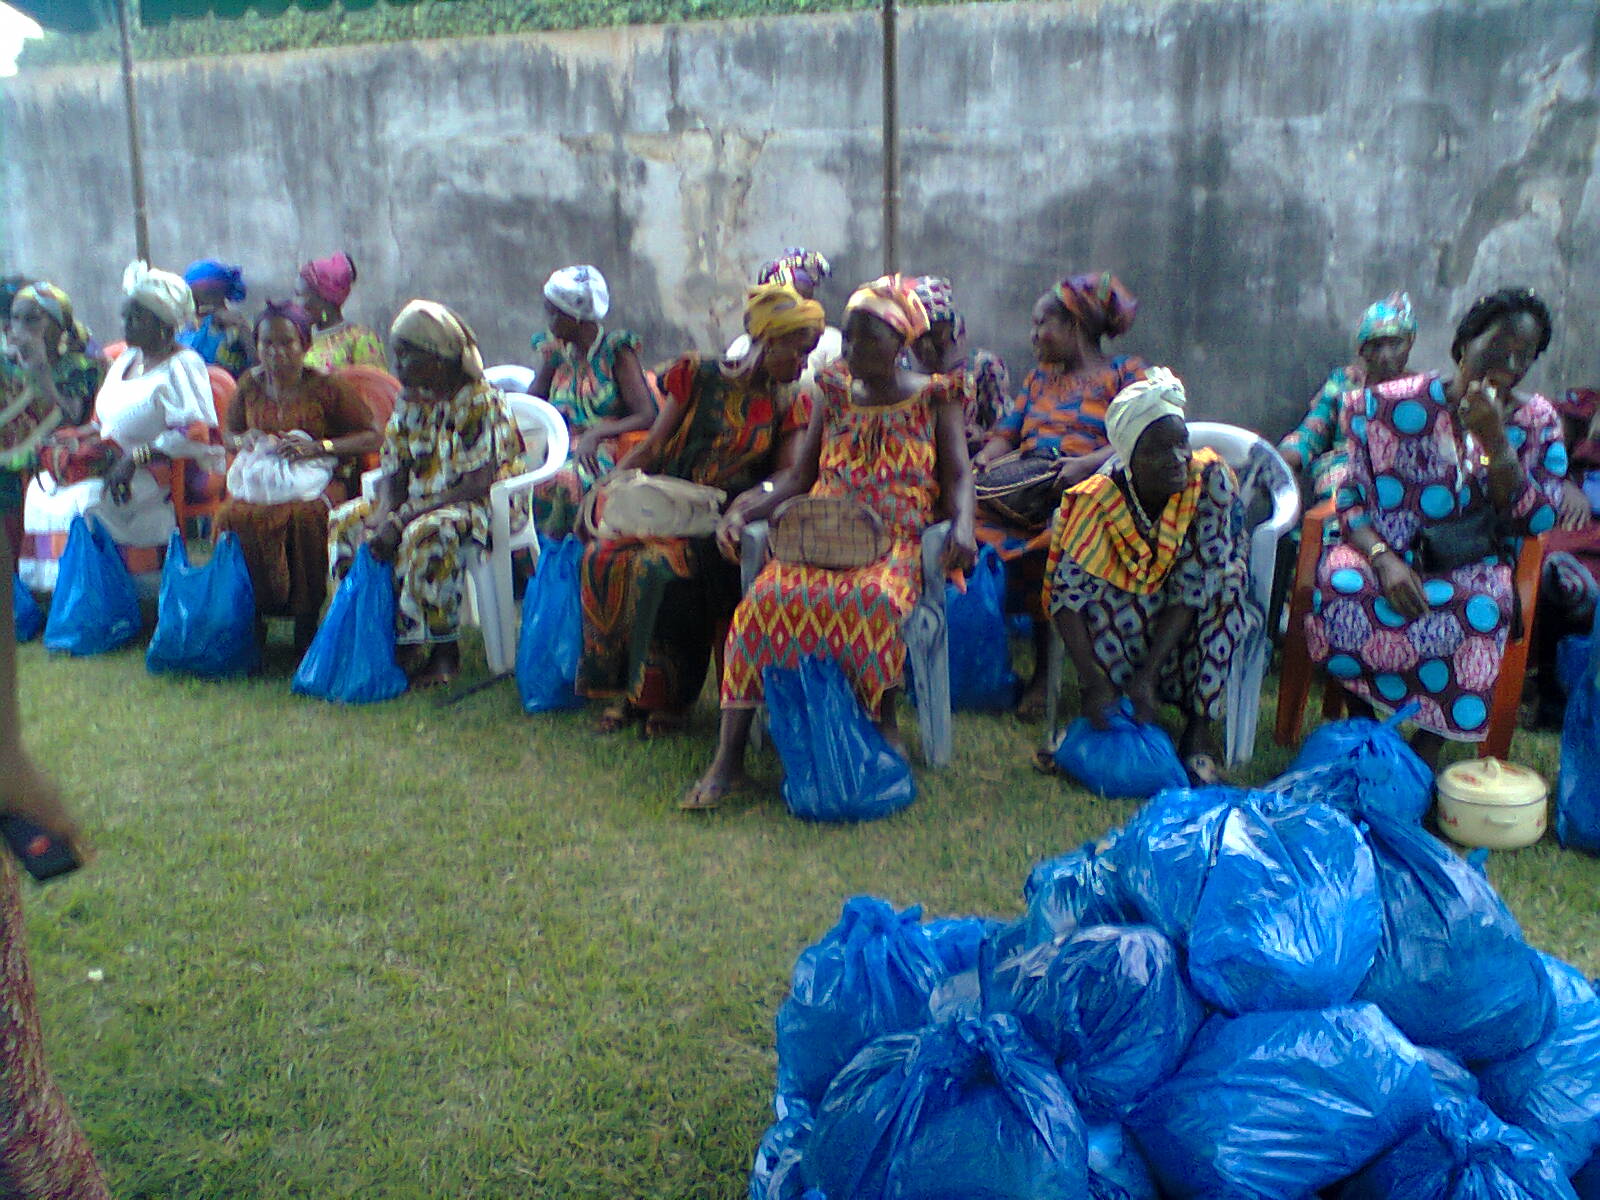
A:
1287	993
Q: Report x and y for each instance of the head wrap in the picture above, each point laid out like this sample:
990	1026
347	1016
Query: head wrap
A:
939	298
580	292
1100	303
434	328
1140	405
774	309
58	306
893	300
330	278
286	310
796	263
211	270
162	292
1389	317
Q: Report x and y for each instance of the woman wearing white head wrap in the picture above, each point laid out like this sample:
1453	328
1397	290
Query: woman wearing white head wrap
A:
154	409
450	438
593	376
1146	575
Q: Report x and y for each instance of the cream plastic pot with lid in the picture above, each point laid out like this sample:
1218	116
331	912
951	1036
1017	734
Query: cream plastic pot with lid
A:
1493	804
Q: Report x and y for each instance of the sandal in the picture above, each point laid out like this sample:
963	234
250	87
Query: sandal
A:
614	719
705	797
1203	769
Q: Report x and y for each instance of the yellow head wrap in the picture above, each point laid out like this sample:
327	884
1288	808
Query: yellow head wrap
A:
772	310
434	328
893	300
1140	405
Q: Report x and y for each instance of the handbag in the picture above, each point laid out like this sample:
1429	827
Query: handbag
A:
631	504
829	532
1020	489
77	453
1470	536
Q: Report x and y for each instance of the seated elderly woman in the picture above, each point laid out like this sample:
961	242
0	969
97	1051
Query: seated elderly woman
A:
154	413
1414	602
286	409
219	334
980	376
49	380
325	286
653	606
593	376
805	271
450	438
1147	570
890	440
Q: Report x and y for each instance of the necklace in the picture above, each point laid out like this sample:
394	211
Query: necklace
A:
1140	517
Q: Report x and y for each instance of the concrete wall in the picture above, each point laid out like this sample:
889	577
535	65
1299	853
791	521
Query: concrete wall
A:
1257	172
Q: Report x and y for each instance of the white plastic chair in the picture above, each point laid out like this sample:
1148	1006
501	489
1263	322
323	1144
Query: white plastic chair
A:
1262	472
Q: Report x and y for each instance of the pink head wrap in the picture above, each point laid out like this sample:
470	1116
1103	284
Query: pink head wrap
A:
331	277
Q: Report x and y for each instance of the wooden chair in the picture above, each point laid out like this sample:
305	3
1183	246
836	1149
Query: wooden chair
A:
1294	684
197	493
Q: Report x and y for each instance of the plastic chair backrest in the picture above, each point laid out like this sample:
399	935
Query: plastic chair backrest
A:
375	386
223	387
544	432
510	377
1262	472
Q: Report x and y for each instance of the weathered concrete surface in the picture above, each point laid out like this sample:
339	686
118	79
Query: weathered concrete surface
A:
1256	171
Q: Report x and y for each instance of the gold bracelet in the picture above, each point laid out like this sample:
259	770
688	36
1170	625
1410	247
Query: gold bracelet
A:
1377	548
327	446
141	456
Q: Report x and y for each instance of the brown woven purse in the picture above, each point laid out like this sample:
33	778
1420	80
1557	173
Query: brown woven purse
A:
829	532
1021	489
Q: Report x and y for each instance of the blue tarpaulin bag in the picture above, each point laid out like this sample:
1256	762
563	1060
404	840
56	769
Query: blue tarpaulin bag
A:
1278	1105
351	660
27	616
1128	761
551	642
836	765
1578	790
1361	766
1453	970
206	619
964	1108
981	678
95	606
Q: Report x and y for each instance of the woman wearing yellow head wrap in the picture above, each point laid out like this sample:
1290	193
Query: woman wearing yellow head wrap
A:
1146	575
653	608
894	442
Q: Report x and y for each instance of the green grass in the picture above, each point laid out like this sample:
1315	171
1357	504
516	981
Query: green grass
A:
421	951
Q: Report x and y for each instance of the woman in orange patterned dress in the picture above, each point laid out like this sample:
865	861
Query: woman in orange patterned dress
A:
894	441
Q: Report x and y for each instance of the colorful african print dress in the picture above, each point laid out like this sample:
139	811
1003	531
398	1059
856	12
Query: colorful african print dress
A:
1411	462
27	418
1120	576
346	345
1318	439
652	608
886	457
220	347
984	386
584	389
436	444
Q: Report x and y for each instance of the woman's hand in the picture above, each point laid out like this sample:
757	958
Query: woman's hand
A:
1574	511
25	791
1100	701
587	452
960	549
299	449
1402	586
119	479
1142	695
384	541
1074	469
730	534
1481	415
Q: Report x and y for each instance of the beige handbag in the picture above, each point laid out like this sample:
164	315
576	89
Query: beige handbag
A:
632	504
829	532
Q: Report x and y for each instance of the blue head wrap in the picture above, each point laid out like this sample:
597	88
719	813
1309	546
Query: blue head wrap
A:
210	270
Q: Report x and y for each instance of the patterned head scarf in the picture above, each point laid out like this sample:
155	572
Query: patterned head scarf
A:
434	328
1389	317
774	309
796	264
893	300
162	292
939	298
330	278
288	311
211	270
58	306
1140	405
580	292
1100	303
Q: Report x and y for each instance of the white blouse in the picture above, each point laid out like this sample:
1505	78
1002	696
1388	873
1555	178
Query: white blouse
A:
155	407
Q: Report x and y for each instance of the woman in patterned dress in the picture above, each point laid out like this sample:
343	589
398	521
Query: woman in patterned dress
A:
593	376
450	438
325	286
1147	571
1423	449
652	607
894	441
1059	415
980	376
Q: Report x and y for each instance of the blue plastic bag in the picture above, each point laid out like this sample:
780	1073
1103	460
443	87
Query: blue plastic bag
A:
1276	1106
205	622
1127	761
836	765
981	678
1552	1089
1572	657
1578	791
1109	1005
1462	1152
27	616
351	660
551	642
1587	1181
871	974
1117	1170
95	607
1452	970
957	940
967	1108
1362	766
775	1174
1078	889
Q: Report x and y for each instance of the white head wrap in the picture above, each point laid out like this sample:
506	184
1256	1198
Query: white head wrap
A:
434	328
162	292
580	292
1140	405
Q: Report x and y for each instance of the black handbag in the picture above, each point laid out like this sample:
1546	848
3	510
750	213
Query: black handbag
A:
1020	489
1468	537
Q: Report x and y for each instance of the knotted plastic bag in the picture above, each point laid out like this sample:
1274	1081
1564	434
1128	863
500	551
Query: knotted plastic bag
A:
205	623
1361	766
551	642
27	616
775	1174
95	607
981	678
1129	760
351	660
1578	791
1080	888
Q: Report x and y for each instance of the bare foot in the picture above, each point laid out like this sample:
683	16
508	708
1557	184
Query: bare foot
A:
613	719
440	669
711	789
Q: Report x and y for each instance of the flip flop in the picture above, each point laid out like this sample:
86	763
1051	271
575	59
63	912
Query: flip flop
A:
1203	769
707	797
613	720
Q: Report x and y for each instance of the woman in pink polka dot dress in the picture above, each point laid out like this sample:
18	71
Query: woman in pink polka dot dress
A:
1387	625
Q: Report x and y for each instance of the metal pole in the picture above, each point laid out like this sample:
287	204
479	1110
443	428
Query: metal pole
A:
141	222
891	141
